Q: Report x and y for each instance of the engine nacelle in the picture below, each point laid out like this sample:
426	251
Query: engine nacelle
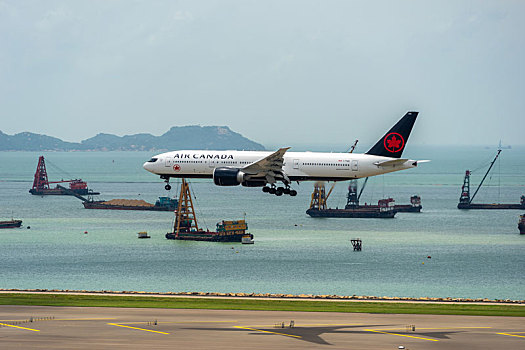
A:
228	176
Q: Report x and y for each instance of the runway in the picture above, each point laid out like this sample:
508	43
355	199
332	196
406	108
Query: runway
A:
45	327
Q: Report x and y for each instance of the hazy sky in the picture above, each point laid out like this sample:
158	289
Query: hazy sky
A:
279	72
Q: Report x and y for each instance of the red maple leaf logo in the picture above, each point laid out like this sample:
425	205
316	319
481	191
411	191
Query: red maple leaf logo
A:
176	167
394	142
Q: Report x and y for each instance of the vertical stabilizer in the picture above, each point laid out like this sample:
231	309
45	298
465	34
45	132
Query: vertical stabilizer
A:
394	141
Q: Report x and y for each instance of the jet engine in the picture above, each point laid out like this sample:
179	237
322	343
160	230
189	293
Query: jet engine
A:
227	176
224	176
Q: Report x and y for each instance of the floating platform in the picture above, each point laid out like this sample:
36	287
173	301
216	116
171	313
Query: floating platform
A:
227	231
490	206
10	223
59	191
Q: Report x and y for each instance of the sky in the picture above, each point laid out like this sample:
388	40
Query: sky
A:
281	73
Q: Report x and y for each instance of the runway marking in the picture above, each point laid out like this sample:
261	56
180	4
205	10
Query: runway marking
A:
263	331
400	335
314	325
28	329
140	329
513	335
395	329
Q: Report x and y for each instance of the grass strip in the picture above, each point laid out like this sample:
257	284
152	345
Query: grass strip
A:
266	305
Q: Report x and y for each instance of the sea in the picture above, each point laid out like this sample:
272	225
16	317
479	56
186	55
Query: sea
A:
440	252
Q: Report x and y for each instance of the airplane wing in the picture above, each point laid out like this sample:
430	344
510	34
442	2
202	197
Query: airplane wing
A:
270	167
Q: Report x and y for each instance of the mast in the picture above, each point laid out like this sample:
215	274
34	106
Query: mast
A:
185	219
484	177
40	181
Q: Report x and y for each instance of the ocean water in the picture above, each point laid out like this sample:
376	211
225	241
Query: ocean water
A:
474	254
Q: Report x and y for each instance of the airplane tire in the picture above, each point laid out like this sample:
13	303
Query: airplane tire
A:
266	189
293	193
286	191
272	190
167	187
279	191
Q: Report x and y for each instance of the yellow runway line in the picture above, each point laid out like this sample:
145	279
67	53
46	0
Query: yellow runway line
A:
140	329
27	329
513	335
263	331
400	335
428	328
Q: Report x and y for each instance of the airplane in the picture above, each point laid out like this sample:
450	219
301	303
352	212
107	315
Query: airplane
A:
266	169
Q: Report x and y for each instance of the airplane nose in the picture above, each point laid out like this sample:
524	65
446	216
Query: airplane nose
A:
148	166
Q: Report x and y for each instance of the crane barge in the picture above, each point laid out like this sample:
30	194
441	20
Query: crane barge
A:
41	184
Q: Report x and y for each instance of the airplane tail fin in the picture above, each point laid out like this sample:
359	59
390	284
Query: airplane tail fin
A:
394	141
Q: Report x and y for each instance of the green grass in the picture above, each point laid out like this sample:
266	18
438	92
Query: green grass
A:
251	304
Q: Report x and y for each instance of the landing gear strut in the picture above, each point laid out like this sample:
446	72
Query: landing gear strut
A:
167	181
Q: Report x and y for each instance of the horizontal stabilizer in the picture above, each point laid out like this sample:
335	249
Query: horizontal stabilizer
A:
392	162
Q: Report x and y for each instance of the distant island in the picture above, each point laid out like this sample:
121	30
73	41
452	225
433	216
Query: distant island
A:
178	137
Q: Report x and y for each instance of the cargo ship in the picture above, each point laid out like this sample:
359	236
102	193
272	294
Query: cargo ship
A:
521	224
465	201
10	223
41	184
186	228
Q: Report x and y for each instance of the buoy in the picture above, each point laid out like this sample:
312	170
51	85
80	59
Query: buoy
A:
85	232
28	227
423	263
429	257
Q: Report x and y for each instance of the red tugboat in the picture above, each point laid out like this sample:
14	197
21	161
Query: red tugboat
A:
521	224
41	184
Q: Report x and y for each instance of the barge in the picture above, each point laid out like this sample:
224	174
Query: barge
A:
41	184
186	228
10	223
465	201
162	204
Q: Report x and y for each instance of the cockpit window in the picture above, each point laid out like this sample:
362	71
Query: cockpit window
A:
152	160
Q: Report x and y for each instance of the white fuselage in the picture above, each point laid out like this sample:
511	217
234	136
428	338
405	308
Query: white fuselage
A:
298	166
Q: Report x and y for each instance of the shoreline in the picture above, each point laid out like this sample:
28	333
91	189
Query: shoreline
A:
271	296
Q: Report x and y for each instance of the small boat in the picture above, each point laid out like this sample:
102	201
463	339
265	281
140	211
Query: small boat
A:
521	224
10	223
247	239
144	234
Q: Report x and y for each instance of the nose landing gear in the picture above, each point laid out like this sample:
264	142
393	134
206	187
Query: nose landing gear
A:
167	181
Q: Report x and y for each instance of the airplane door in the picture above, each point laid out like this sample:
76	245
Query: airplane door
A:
296	163
211	163
168	162
354	165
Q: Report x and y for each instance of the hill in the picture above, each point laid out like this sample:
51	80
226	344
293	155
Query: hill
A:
179	137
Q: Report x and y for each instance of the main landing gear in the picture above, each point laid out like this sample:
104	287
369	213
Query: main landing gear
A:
279	191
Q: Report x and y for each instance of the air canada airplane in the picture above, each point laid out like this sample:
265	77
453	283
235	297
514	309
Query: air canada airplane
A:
266	169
